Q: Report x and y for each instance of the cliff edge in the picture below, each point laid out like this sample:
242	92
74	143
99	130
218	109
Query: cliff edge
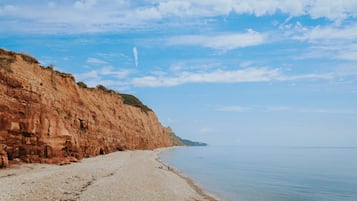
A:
45	116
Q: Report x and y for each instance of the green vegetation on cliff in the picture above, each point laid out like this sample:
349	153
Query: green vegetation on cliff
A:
134	101
177	141
193	143
128	99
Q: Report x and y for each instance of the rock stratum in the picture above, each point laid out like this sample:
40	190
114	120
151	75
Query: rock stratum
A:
46	117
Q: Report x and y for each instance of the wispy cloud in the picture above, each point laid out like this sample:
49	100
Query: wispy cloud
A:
105	75
136	56
234	108
277	108
224	42
290	109
110	71
348	55
169	79
332	10
329	41
96	61
115	15
217	76
328	33
222	76
309	110
85	4
329	111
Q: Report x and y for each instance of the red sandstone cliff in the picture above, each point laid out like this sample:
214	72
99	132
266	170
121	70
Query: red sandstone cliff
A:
46	117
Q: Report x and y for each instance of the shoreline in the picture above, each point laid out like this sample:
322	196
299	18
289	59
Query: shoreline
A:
189	181
128	175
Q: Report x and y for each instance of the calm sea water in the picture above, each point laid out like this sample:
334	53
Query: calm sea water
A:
270	173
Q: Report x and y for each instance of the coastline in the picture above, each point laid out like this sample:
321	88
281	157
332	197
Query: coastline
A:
128	175
189	181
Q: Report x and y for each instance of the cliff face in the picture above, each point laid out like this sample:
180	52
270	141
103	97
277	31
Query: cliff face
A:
46	117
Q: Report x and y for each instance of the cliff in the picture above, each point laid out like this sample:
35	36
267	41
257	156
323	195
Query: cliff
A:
45	116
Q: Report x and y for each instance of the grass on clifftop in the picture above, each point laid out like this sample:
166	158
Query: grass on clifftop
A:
5	62
128	99
134	101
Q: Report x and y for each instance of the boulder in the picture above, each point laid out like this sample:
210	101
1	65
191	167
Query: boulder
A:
4	162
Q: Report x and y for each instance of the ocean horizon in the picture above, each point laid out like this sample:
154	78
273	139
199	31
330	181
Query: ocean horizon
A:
251	173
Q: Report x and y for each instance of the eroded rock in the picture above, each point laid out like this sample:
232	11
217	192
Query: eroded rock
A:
46	117
3	159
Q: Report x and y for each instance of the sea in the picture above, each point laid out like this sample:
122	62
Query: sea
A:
249	173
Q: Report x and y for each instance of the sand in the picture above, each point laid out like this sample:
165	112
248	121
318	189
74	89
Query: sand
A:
127	176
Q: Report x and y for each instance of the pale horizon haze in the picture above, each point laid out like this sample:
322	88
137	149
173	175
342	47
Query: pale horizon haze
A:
228	72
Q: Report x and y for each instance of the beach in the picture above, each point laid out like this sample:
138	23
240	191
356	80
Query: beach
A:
127	175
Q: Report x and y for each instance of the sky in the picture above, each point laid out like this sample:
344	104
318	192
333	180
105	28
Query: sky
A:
225	72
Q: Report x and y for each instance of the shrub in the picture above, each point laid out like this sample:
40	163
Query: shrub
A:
128	99
28	58
5	64
102	88
10	53
82	85
134	101
64	75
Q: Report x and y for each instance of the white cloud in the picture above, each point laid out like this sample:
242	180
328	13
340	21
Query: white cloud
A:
310	110
295	109
222	76
195	64
175	8
96	61
109	71
222	42
136	56
329	33
88	75
106	75
277	108
85	4
234	108
218	76
352	56
310	76
328	111
114	15
329	41
333	10
142	15
258	8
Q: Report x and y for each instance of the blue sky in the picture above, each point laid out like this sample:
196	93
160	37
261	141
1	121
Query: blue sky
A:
241	72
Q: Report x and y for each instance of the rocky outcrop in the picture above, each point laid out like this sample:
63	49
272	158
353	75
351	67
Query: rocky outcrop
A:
45	116
4	162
